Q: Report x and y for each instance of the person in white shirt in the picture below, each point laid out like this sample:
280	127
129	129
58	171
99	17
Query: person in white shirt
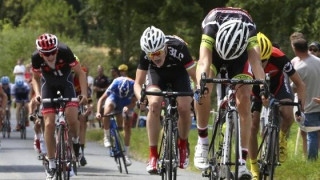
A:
19	70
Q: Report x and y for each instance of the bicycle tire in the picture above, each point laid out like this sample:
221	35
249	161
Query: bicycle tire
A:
23	123
62	173
263	154
233	146
237	144
161	166
273	150
215	148
169	166
121	150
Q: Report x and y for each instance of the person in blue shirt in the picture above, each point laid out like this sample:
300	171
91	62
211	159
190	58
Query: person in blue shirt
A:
118	97
20	91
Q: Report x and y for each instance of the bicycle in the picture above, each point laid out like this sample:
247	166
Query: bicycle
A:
225	146
64	156
168	161
117	143
6	127
268	151
23	120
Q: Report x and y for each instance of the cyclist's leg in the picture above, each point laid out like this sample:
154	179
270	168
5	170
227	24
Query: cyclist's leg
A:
253	144
203	114
184	124
243	104
49	123
108	108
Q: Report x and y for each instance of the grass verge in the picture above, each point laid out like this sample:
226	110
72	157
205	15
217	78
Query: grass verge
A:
296	166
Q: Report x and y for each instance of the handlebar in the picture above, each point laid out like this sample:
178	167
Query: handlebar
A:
112	114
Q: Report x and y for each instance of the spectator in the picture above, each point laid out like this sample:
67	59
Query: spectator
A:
308	67
123	68
101	82
19	70
28	73
314	48
114	73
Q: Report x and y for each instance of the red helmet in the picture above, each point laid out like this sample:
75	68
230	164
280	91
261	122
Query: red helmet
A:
47	43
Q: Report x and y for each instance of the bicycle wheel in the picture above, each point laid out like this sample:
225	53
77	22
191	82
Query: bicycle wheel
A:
161	166
216	147
274	141
169	167
22	123
120	146
263	152
62	173
232	158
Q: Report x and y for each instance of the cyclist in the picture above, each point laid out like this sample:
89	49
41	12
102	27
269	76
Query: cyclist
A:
275	62
229	38
20	91
118	97
6	86
83	117
52	63
165	60
3	104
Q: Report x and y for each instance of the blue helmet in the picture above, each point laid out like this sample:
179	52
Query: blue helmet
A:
5	80
19	82
124	87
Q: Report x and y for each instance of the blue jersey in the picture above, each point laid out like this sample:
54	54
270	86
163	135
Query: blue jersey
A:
114	88
21	93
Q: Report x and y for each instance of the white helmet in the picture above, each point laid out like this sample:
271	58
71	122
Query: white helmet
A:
232	39
152	40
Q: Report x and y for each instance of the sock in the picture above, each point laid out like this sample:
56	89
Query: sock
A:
244	152
75	140
82	148
126	150
254	165
52	163
38	135
203	135
182	143
153	151
106	133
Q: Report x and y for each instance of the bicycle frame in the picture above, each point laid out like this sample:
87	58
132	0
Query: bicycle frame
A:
117	143
168	161
222	156
64	159
268	151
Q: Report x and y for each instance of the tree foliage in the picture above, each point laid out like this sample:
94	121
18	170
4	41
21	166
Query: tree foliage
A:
113	28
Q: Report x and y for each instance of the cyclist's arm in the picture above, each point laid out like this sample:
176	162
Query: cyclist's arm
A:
82	79
300	88
36	83
101	99
139	81
205	58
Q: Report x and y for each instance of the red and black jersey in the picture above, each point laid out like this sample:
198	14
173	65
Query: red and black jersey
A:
65	60
276	66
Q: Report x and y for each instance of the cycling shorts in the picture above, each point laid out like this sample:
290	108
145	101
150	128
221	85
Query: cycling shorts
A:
177	78
238	68
117	102
49	89
20	97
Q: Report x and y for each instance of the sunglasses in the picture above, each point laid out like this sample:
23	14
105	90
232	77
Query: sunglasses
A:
157	53
47	54
313	49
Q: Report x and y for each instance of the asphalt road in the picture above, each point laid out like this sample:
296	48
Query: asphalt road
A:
18	161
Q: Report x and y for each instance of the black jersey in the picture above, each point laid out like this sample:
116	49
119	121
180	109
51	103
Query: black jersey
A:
65	60
177	56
